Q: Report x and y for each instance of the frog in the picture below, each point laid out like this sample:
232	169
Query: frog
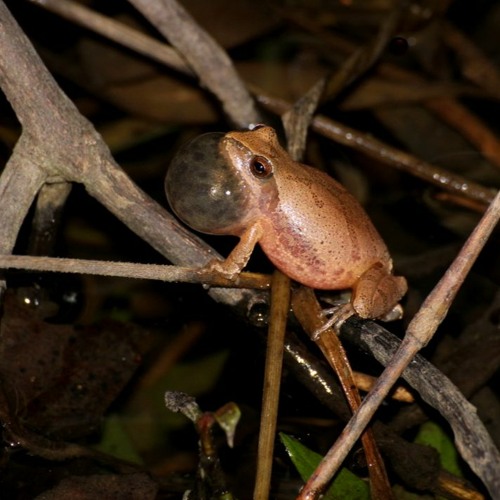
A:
245	184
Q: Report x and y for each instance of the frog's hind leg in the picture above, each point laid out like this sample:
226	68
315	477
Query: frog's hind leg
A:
377	293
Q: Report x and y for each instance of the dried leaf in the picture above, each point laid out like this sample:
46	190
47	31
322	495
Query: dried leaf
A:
61	379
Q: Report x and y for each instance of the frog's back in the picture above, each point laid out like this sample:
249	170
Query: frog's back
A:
320	235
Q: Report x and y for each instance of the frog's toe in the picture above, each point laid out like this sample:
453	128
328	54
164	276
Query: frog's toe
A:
220	268
338	315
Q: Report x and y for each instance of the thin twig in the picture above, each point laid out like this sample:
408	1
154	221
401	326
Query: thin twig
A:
365	382
280	303
297	120
133	270
389	155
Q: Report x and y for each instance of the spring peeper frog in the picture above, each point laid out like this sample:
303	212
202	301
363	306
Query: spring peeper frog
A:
245	184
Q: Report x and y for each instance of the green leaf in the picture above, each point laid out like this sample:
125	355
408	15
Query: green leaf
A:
431	434
228	417
345	486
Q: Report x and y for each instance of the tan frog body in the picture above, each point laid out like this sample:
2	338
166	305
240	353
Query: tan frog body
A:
245	184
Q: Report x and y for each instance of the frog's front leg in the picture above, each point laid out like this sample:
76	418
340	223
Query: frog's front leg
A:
240	255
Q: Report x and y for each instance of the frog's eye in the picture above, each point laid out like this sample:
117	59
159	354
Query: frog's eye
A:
261	167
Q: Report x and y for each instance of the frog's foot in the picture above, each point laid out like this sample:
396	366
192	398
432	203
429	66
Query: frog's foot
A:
338	315
224	268
377	293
